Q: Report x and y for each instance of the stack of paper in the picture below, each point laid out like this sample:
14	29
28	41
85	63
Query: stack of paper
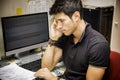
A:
14	72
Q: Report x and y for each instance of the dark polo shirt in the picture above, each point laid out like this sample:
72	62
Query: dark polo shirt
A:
92	49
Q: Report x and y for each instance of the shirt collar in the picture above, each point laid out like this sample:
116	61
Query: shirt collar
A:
84	32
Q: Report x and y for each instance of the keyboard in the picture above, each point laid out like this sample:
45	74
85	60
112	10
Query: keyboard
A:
36	65
32	66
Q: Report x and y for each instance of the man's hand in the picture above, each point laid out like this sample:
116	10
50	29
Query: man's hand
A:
45	73
55	33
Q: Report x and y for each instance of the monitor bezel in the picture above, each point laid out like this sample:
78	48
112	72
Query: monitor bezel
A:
25	48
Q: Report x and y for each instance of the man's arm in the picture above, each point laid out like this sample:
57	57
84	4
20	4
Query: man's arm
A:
95	73
52	54
51	57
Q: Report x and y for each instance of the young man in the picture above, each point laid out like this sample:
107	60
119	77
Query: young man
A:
84	51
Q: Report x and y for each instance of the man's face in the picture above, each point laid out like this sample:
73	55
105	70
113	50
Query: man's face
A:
65	24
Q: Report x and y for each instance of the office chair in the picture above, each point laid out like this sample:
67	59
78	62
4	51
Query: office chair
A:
113	72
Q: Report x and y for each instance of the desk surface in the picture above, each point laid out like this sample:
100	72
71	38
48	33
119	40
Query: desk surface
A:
58	70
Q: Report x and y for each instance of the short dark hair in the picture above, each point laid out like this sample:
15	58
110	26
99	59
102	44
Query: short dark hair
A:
67	6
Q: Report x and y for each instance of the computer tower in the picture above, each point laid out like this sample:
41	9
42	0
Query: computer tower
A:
100	19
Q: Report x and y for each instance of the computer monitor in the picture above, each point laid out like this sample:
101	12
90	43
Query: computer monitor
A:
24	32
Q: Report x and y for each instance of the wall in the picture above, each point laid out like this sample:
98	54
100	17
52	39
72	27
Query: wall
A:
115	37
98	3
9	8
1	39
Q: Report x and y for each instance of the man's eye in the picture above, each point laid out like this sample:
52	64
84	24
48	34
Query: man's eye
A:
62	20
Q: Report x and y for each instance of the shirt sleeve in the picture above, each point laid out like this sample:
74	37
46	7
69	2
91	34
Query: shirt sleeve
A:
61	42
99	55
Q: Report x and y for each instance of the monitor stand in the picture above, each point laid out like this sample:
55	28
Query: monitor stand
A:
28	56
22	54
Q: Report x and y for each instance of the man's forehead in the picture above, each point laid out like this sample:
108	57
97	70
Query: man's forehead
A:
60	16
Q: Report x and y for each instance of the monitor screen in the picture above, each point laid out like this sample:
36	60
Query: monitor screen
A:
24	32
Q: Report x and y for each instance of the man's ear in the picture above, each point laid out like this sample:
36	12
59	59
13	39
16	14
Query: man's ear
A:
76	16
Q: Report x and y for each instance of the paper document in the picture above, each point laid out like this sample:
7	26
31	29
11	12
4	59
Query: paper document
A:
14	72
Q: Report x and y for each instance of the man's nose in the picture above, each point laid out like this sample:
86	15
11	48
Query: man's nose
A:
59	27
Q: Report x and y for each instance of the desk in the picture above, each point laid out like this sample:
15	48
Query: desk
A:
57	71
10	68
